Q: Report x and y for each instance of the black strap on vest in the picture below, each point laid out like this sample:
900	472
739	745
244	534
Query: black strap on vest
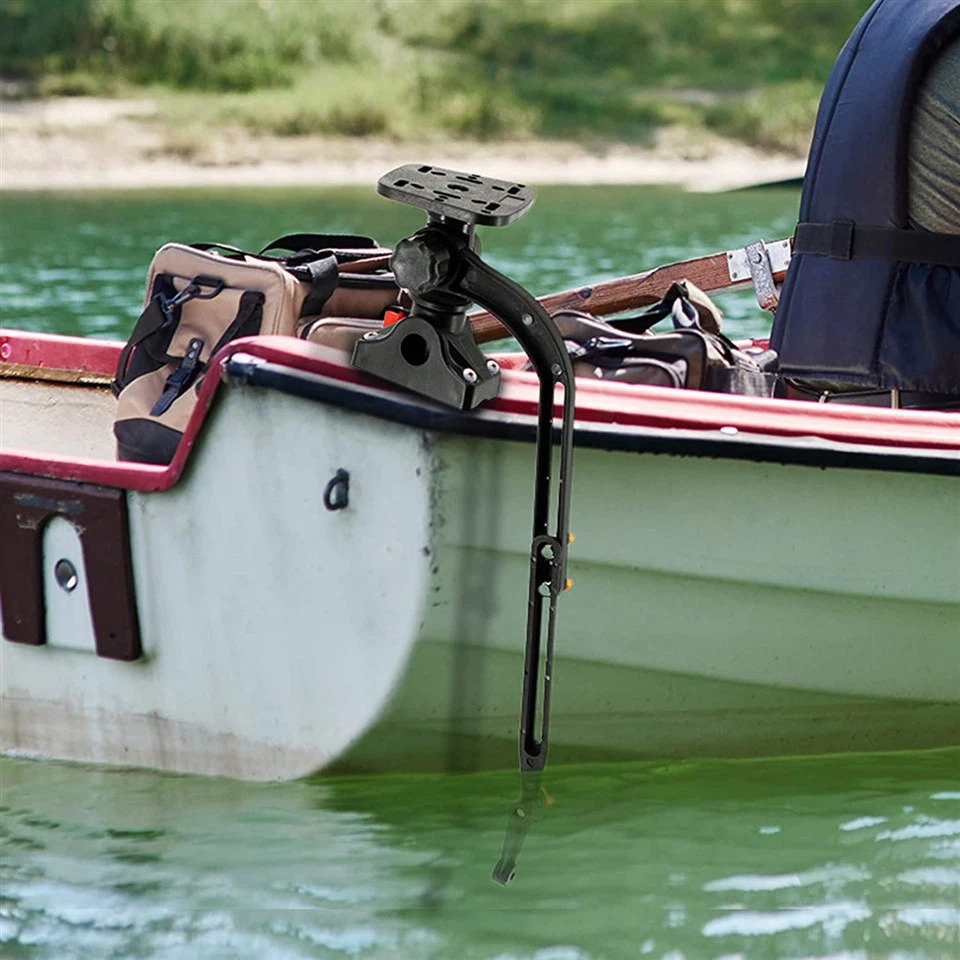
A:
844	240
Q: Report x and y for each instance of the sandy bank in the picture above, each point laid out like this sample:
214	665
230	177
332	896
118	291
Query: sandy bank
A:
81	143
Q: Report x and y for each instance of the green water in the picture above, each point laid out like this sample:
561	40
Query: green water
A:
76	263
847	858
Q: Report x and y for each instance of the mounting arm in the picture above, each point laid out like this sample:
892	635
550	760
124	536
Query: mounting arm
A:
432	352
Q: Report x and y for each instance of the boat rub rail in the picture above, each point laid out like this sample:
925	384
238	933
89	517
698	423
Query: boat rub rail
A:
609	406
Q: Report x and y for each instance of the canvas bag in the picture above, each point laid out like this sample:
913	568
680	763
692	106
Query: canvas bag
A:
695	355
199	298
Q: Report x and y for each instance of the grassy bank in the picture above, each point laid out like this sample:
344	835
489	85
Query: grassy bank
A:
591	70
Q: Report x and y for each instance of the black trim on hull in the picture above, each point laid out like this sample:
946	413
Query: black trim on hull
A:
805	451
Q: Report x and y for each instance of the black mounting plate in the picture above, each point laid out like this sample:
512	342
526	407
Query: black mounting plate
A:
460	196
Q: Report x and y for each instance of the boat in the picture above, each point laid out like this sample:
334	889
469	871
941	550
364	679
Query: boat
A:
332	572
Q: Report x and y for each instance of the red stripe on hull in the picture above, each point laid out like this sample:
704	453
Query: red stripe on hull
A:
597	403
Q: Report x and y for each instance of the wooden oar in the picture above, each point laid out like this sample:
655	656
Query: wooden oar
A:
712	272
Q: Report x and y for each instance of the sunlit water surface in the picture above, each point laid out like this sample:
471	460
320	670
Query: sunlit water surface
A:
848	858
851	858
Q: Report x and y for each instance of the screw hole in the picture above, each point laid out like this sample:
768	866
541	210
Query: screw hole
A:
65	574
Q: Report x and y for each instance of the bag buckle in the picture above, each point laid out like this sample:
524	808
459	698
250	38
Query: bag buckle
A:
180	379
192	291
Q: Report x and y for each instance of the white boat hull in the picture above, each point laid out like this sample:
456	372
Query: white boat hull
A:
719	607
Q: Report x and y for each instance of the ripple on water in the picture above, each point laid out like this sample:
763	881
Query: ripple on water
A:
924	827
861	823
832	918
631	861
821	875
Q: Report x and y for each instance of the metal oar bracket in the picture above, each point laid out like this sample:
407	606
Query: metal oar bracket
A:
758	262
432	351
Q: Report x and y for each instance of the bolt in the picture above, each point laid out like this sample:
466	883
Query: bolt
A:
65	574
470	375
493	367
527	319
370	336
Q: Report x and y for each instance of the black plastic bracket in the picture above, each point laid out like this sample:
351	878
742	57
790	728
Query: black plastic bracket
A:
432	351
467	197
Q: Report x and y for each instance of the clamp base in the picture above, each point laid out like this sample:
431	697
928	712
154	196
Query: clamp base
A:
416	354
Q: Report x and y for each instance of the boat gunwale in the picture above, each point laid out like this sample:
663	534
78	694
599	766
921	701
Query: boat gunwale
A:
803	451
609	416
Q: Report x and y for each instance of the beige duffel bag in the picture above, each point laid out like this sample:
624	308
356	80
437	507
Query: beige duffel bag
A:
199	298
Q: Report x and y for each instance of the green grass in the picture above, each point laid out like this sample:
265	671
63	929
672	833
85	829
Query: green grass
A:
583	69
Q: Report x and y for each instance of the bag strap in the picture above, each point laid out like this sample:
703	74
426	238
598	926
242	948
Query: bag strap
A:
190	367
323	275
163	310
233	253
148	323
306	243
187	370
686	303
295	242
315	260
245	323
321	272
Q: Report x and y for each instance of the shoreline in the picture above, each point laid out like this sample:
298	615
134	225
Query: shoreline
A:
88	143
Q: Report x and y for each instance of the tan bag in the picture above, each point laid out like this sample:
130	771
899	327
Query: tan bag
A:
199	299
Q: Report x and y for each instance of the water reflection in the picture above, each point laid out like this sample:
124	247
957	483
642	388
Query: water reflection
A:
665	861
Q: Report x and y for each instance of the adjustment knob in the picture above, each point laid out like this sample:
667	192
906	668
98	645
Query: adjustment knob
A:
421	263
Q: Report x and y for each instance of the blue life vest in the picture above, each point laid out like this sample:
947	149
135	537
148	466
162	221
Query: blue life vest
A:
866	300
